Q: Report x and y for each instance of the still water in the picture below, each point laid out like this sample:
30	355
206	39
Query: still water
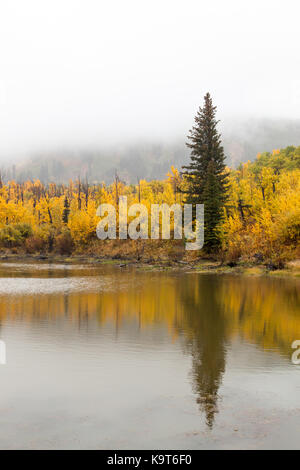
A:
110	358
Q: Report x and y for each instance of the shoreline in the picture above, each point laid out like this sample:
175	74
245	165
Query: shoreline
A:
201	265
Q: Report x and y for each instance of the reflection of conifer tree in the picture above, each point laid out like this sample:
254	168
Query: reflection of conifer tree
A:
207	342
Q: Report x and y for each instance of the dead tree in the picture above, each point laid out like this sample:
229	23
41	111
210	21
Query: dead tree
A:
79	194
85	189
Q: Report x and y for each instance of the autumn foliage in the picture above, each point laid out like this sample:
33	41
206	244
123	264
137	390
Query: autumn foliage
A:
261	217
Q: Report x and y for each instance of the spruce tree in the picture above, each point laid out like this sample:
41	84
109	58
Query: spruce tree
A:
66	211
205	175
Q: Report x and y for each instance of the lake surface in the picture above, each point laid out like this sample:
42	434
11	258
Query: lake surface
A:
116	358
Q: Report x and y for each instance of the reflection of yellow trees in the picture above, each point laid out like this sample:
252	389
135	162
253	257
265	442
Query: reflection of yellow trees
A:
263	311
205	312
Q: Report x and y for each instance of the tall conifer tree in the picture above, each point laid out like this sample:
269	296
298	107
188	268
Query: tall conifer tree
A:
205	174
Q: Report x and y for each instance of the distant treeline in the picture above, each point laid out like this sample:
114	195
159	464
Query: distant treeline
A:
241	140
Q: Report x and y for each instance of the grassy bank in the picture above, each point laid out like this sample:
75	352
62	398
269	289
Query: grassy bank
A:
154	256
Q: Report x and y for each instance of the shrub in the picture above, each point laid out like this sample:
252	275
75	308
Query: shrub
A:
46	233
35	244
291	231
24	229
64	243
10	237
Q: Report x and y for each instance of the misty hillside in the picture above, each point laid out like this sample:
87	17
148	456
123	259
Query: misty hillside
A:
242	141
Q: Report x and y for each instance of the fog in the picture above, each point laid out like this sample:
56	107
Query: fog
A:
91	73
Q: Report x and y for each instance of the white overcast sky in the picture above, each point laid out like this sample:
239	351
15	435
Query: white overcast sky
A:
87	72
